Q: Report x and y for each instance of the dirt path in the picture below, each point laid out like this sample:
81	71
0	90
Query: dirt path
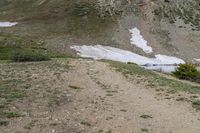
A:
101	100
111	102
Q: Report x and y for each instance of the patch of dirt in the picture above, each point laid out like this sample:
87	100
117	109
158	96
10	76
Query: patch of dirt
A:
88	96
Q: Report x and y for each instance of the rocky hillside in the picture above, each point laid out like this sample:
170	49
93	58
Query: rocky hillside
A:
171	27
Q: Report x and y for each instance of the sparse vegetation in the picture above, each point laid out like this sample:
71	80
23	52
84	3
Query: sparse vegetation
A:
8	94
17	81
188	11
41	95
152	78
146	116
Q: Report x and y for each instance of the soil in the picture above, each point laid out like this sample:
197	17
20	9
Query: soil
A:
87	96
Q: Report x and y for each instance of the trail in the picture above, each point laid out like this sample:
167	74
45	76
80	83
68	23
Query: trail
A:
91	97
110	102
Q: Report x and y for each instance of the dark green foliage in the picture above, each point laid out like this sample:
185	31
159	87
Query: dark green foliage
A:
196	102
188	72
28	56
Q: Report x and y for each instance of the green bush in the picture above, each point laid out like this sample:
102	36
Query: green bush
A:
28	56
187	71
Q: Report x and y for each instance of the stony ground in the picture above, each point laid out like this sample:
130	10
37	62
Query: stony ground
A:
86	96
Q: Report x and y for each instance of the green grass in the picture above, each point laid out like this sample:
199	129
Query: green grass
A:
8	94
28	56
9	114
11	44
152	78
4	61
7	52
8	91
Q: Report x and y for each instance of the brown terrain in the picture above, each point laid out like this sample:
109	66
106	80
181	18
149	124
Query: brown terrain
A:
74	95
87	96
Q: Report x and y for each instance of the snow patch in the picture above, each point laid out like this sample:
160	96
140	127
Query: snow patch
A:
115	54
8	24
197	60
138	40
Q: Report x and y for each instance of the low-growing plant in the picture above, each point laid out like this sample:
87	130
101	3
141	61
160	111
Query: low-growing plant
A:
3	123
28	56
196	104
146	116
187	71
10	114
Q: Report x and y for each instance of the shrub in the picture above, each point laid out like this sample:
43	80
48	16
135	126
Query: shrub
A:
28	56
3	123
187	71
196	104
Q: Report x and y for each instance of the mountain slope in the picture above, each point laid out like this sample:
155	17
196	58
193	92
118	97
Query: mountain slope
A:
170	27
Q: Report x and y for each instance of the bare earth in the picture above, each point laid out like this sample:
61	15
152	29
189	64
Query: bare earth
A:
91	97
